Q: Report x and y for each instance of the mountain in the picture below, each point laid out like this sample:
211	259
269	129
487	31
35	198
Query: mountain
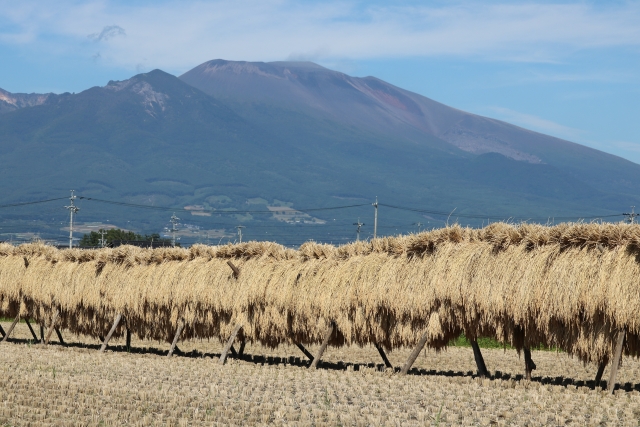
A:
13	101
240	143
372	104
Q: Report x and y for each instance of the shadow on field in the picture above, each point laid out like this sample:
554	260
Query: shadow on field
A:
303	362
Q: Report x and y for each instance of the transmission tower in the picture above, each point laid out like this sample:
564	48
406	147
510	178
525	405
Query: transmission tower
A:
174	228
631	215
359	225
240	227
102	241
73	209
375	219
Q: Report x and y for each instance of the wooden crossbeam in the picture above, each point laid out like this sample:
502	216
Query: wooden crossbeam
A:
59	336
227	347
323	347
51	328
111	332
236	271
33	333
529	365
176	337
13	325
615	363
305	351
414	354
477	355
384	356
601	366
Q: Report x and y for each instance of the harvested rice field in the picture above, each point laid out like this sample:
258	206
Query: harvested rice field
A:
76	385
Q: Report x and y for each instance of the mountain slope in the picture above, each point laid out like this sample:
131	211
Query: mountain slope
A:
156	140
372	104
154	128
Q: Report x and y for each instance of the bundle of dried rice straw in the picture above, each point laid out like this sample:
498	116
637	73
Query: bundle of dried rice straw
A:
572	286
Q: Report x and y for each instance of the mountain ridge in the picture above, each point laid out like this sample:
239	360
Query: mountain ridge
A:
157	139
14	101
466	131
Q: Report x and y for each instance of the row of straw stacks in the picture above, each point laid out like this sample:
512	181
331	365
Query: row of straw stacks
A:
572	286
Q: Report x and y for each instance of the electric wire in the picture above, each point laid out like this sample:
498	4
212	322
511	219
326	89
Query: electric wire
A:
477	216
288	233
403	208
13	205
166	208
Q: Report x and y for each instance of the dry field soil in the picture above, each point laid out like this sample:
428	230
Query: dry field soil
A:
75	385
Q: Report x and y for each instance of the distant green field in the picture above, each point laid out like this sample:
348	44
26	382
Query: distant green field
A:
462	341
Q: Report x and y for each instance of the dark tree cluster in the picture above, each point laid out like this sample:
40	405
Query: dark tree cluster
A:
115	235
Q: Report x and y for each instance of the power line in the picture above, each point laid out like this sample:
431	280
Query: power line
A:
166	208
477	216
13	205
298	231
376	204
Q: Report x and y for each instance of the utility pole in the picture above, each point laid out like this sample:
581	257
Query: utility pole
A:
240	227
359	224
174	228
631	215
375	219
72	210
102	241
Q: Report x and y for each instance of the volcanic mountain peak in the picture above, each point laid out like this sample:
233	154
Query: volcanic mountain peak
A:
364	102
279	69
375	106
367	103
296	132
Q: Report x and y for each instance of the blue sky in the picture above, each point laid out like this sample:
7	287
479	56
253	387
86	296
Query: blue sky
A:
569	69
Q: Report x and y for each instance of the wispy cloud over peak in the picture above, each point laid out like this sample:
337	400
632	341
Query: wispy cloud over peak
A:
107	32
280	29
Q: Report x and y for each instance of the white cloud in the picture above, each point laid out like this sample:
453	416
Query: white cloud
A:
180	35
